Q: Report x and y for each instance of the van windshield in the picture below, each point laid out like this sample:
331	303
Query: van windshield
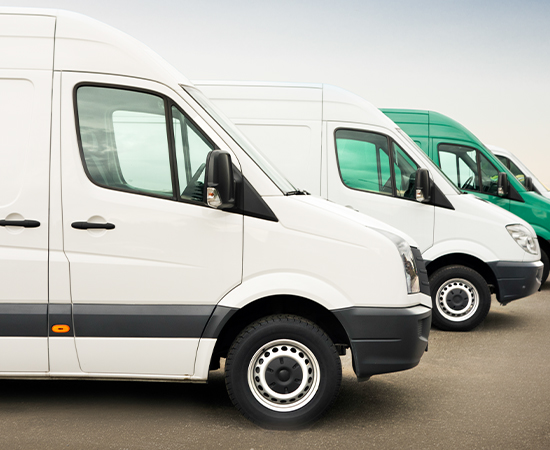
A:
277	177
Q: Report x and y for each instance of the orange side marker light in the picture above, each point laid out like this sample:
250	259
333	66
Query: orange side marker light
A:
61	328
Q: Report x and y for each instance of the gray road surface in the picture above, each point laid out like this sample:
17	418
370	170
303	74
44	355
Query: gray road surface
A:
486	389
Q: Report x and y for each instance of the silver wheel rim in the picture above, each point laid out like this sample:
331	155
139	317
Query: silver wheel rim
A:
274	375
457	300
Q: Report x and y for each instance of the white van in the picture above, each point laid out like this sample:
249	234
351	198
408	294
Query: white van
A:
334	144
132	247
519	170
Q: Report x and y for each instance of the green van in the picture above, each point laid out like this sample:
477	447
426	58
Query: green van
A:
472	167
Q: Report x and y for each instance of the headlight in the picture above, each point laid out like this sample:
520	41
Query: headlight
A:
409	263
524	238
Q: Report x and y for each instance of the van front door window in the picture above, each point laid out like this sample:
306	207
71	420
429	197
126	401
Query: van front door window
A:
124	140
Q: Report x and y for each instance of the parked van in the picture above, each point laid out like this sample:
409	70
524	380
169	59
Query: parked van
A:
474	169
141	237
336	145
519	170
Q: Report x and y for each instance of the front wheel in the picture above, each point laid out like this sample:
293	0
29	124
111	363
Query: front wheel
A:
283	372
461	298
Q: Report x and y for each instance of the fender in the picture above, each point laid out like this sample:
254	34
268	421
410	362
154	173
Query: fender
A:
459	246
286	283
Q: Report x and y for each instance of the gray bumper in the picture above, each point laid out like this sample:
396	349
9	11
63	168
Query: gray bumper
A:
516	279
386	340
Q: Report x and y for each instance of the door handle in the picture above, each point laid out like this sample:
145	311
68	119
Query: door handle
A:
19	223
93	226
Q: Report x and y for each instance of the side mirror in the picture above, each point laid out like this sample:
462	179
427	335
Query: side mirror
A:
220	184
502	189
528	183
423	185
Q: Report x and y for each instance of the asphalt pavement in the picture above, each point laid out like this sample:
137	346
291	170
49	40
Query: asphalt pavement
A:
484	389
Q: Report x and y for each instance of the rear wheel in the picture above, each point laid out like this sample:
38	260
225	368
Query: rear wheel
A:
283	372
461	298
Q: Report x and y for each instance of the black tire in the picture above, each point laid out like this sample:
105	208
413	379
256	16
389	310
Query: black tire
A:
301	348
546	261
461	298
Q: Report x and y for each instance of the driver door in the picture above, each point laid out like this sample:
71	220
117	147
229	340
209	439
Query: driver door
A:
148	259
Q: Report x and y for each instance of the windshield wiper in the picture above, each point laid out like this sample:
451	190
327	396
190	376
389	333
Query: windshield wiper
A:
298	192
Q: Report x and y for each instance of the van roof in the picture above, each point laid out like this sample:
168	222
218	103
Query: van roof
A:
440	125
334	103
82	44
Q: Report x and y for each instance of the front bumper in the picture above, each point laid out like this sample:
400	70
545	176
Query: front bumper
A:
516	279
386	340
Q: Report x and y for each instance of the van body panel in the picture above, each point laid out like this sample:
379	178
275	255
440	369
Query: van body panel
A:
25	113
23	354
27	42
147	356
87	45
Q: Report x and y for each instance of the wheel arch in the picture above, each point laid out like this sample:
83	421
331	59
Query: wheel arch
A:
544	244
470	261
276	304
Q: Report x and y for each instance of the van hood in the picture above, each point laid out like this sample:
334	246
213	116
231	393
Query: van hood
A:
355	216
487	211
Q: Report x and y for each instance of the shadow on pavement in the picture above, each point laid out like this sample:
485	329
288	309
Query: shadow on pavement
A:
120	401
497	320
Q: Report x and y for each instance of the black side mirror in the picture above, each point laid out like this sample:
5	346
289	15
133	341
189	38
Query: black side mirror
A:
502	189
529	184
219	183
423	185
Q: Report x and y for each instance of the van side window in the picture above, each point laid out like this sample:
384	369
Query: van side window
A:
364	161
124	139
405	173
192	148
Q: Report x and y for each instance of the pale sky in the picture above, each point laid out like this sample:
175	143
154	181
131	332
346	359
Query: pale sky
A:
484	63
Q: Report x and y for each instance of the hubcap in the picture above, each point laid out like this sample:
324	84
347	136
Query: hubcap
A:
457	300
284	375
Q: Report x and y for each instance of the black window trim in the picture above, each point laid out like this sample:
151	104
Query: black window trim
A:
168	102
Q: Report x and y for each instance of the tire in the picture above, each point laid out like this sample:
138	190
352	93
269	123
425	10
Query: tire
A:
461	298
546	261
278	397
